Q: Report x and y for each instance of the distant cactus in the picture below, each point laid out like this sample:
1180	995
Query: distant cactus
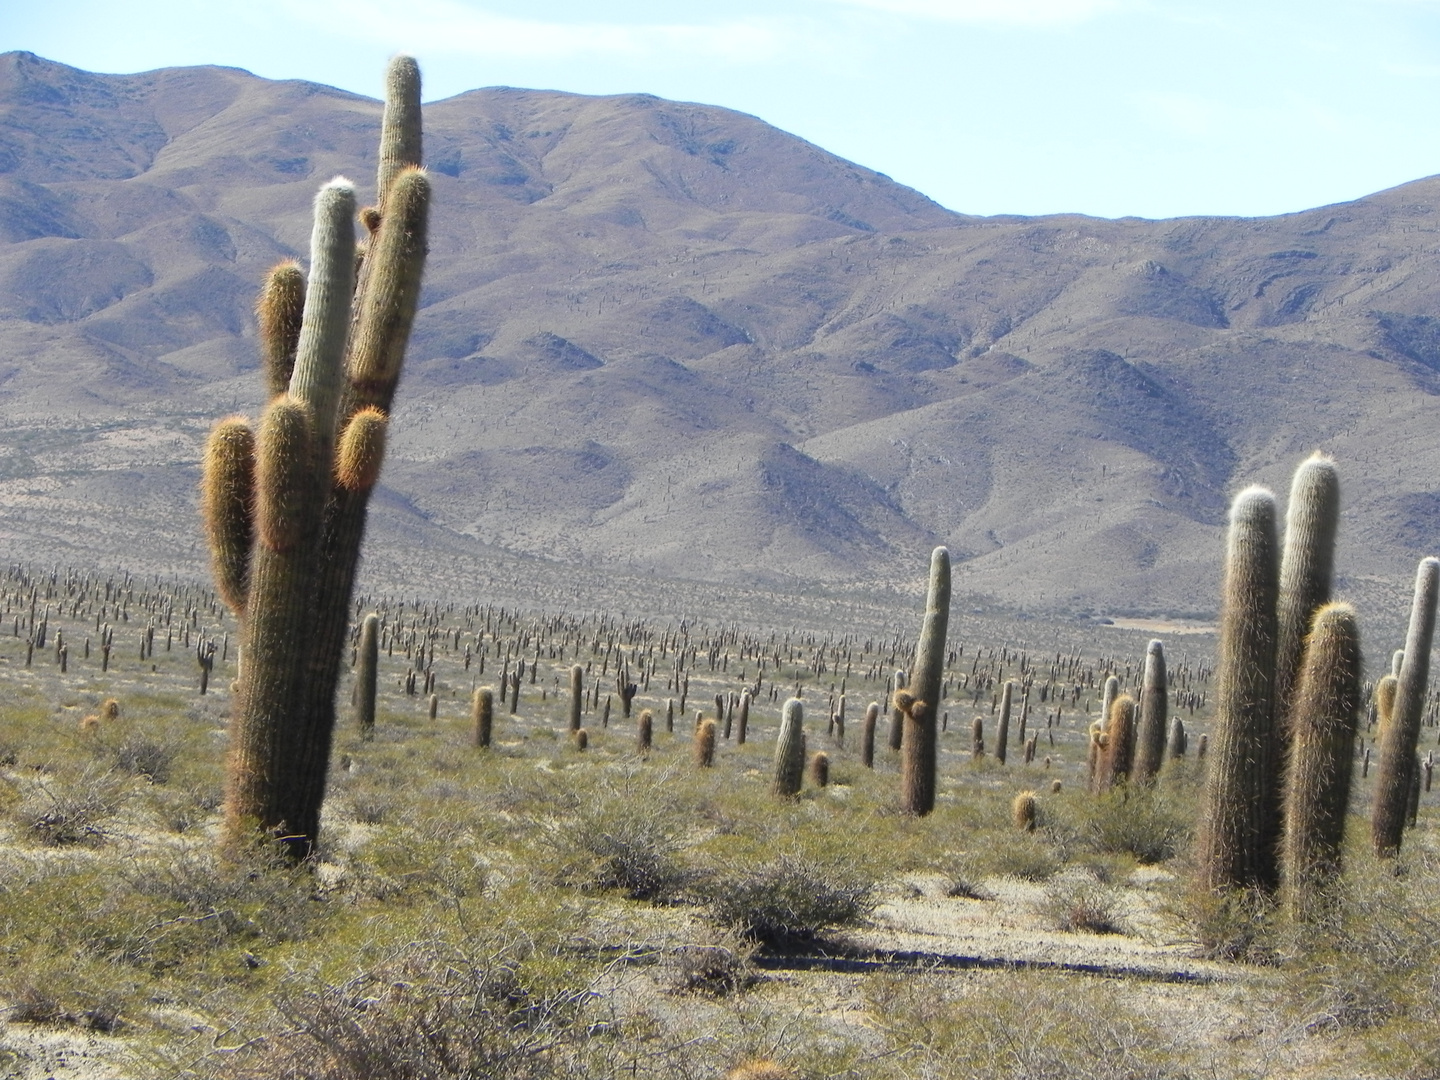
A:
867	735
1023	811
1385	691
1175	746
644	732
977	738
366	667
742	718
1325	717
917	765
434	705
703	746
1002	728
581	738
577	695
109	710
316	455
1398	743
790	749
1154	714
482	714
820	769
1233	825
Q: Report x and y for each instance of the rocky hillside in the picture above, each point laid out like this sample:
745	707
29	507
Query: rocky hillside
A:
668	338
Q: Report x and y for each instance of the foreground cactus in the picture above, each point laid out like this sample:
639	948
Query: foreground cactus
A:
917	763
1306	566
316	457
1232	851
790	750
1325	717
1402	733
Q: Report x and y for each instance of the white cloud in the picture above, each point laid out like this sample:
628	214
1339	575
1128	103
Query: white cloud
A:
450	27
1006	12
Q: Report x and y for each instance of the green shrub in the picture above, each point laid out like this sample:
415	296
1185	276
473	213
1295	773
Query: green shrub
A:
789	900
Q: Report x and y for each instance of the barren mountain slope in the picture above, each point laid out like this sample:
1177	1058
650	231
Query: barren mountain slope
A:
669	337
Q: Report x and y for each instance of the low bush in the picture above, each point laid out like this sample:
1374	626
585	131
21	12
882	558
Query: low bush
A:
789	900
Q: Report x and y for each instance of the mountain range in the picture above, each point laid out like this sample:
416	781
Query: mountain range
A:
667	339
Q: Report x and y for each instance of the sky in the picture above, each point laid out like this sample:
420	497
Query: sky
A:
1150	108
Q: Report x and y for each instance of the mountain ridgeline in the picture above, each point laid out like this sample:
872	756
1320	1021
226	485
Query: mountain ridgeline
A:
670	338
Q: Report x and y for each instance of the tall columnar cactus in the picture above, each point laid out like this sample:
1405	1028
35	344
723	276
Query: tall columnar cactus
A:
482	717
917	764
1107	699
1233	826
1325	716
1117	754
1306	567
790	750
285	558
1178	741
896	734
867	735
1398	742
1002	729
366	664
742	718
1154	715
577	695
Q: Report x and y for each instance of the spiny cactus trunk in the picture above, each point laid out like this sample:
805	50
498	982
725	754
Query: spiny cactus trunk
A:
917	765
482	717
1398	743
742	718
790	750
1154	715
867	735
896	734
1232	850
577	695
1325	717
1002	728
366	675
1306	567
1113	766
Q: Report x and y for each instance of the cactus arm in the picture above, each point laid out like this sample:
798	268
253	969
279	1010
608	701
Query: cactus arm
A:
278	312
227	496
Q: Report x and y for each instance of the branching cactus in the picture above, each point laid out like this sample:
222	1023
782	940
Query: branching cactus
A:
1402	733
1154	714
1325	716
1232	849
917	762
285	544
790	750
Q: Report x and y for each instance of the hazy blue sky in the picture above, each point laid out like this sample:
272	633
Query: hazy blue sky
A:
1108	107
